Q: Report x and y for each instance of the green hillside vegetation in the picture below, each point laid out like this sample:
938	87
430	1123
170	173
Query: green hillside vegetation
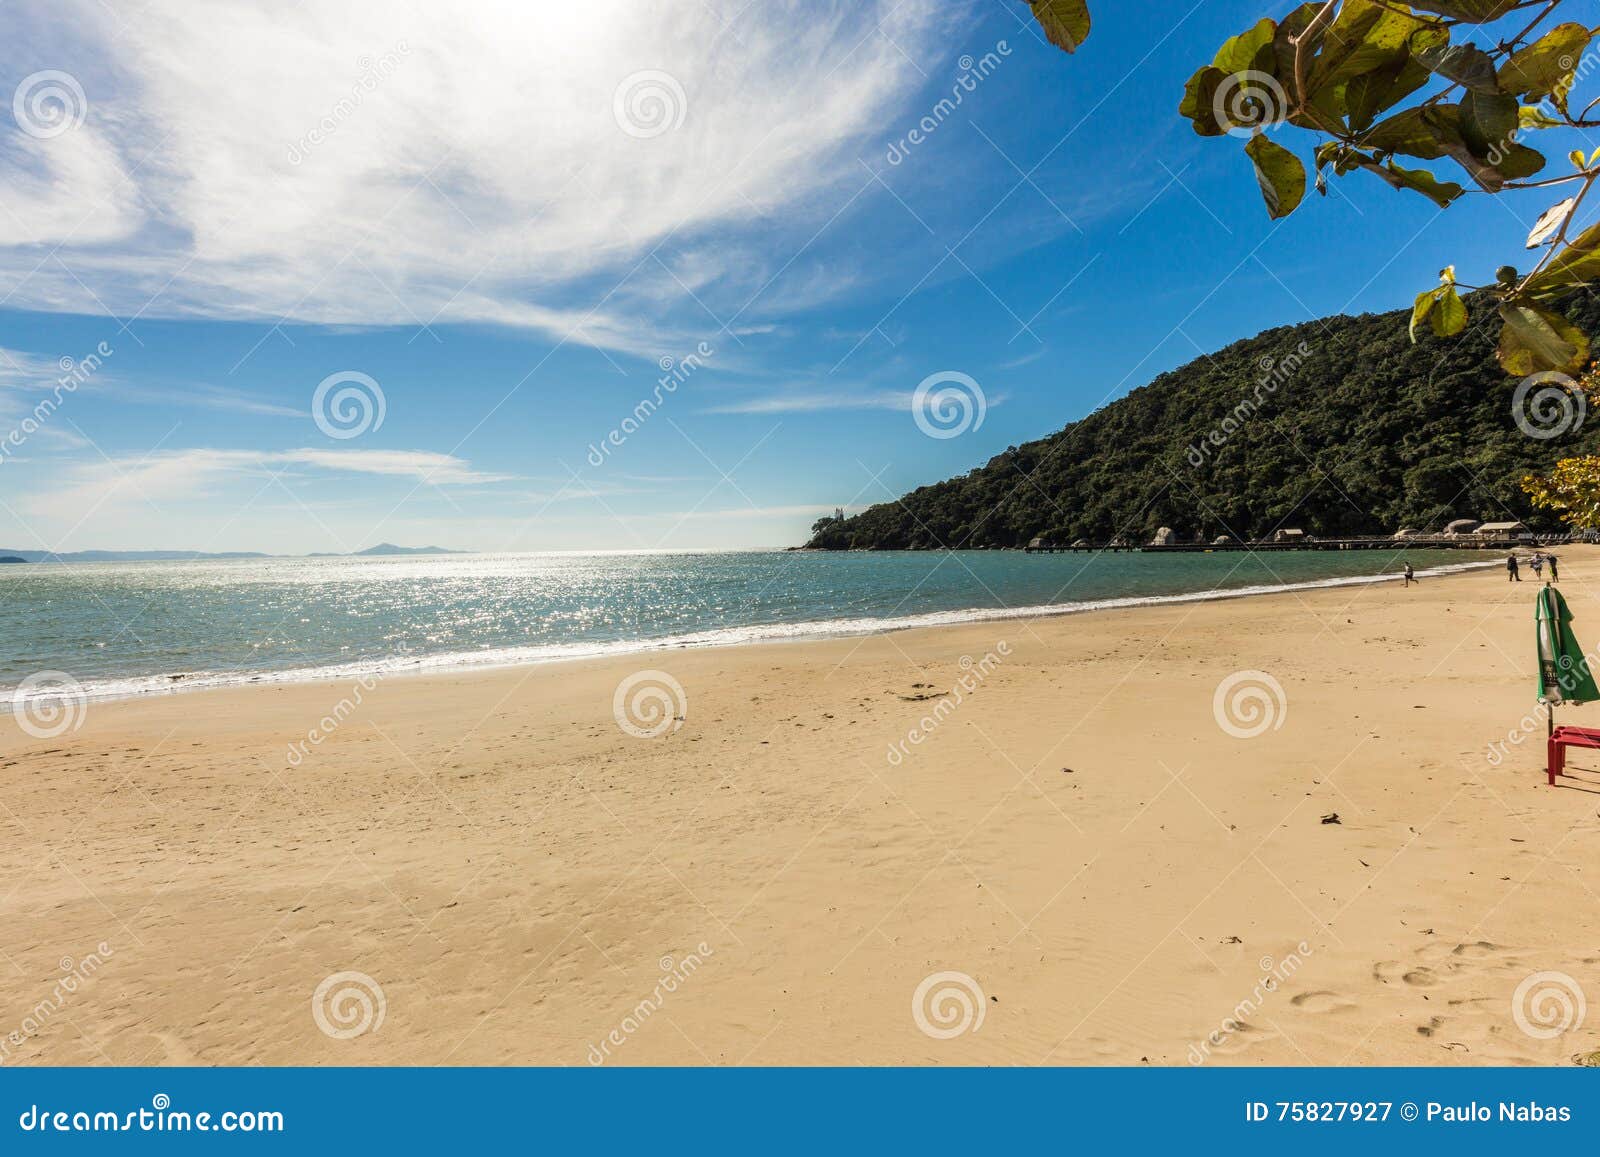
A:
1340	427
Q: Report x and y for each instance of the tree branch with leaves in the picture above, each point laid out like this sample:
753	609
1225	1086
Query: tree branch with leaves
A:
1389	88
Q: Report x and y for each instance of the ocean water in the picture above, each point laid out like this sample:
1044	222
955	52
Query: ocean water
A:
120	629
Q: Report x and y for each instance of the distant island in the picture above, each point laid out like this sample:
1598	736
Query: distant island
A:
382	550
1342	427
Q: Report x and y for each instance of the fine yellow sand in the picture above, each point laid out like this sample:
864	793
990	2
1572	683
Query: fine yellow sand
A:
1095	862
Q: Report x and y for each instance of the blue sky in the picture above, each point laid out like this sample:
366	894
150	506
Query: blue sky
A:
506	222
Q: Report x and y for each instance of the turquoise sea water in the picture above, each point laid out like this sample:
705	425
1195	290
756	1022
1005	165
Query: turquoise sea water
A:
132	628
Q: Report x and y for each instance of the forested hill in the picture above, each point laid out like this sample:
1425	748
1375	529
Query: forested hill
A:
1337	427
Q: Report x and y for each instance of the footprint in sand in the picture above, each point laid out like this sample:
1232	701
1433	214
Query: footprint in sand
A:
1421	978
1321	1001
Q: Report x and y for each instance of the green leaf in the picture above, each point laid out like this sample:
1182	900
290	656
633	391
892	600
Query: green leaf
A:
1065	22
1426	300
1417	132
1517	162
1249	51
1281	175
1463	63
1199	102
1532	116
1540	68
1441	193
1366	36
1577	264
1449	316
1488	120
1536	339
1467	11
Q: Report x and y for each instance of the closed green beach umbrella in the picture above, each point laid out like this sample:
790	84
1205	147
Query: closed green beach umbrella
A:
1564	675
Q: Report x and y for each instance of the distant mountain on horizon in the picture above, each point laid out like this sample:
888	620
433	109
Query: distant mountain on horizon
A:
382	550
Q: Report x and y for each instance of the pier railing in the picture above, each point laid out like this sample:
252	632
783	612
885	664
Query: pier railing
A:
1412	542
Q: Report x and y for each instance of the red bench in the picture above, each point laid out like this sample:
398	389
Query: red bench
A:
1561	739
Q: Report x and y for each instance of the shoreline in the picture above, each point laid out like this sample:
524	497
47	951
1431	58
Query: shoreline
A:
164	684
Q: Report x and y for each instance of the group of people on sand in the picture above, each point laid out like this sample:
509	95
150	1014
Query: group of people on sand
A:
1538	562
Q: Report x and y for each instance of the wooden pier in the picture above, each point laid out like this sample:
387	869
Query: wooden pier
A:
1415	542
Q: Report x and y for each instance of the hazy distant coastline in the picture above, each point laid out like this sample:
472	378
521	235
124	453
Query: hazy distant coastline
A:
382	550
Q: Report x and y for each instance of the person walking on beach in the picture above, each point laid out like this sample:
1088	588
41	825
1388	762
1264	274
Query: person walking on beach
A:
1511	569
1537	563
1411	576
1554	577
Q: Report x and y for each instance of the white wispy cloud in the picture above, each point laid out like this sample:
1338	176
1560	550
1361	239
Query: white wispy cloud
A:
807	403
372	163
180	477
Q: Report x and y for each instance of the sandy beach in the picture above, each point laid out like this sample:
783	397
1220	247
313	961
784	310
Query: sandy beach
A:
1021	842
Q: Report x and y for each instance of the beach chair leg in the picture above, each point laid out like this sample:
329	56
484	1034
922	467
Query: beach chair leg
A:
1555	752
